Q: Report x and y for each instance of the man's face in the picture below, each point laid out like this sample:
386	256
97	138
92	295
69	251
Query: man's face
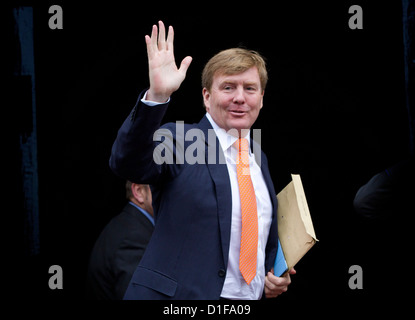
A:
234	101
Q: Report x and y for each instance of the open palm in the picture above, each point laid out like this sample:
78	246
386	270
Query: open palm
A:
165	77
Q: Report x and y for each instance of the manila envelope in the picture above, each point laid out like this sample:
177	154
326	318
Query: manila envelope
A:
295	228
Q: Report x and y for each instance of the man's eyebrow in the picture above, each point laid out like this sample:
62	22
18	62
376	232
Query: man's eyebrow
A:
249	83
227	82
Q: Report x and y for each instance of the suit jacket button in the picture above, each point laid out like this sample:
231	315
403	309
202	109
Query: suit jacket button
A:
221	273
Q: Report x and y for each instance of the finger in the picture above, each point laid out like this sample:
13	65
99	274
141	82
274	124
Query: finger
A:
279	281
162	36
185	64
275	283
273	290
170	38
151	41
154	38
292	271
271	293
149	46
269	285
287	279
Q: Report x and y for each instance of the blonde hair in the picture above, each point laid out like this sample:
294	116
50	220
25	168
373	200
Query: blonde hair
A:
234	61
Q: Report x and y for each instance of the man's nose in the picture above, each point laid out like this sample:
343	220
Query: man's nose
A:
239	96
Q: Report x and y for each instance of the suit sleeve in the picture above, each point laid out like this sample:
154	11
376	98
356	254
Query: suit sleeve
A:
132	152
387	191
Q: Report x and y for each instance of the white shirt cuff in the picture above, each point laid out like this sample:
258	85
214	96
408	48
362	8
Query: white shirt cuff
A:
151	103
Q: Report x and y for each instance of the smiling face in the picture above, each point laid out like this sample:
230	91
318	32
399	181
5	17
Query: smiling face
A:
234	100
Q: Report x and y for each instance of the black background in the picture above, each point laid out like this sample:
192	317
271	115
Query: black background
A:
333	112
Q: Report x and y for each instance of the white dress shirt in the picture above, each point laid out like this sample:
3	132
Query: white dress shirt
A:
235	286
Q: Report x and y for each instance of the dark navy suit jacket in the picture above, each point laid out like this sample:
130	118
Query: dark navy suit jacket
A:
116	254
187	255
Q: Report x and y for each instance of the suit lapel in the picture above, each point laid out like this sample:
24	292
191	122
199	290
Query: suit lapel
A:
216	164
270	186
262	162
271	247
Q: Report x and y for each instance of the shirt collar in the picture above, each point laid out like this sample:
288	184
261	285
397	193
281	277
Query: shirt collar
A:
225	139
149	216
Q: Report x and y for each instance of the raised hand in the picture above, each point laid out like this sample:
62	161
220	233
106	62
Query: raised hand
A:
164	76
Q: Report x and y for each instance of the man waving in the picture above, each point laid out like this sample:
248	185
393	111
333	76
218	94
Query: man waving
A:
216	221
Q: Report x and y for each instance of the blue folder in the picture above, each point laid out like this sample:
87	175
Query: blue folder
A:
280	266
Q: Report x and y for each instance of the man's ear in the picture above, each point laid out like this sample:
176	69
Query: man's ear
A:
137	190
206	98
262	99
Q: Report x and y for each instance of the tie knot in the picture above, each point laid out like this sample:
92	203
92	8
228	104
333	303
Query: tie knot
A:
242	144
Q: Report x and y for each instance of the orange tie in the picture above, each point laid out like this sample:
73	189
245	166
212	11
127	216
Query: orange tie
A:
249	234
